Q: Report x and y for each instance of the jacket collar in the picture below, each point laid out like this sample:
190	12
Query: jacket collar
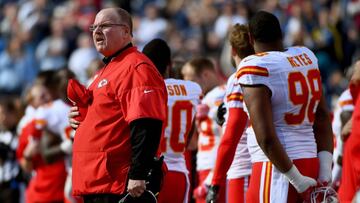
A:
107	60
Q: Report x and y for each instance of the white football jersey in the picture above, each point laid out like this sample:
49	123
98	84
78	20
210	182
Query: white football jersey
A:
54	117
241	165
183	97
209	131
344	103
295	83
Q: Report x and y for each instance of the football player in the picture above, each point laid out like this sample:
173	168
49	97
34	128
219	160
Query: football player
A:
51	121
350	181
342	113
233	142
292	146
202	71
47	183
36	96
183	97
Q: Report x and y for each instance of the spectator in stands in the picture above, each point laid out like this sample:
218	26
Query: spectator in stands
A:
51	51
151	26
10	175
81	58
16	69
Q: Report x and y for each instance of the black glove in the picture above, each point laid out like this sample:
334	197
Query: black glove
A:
212	194
221	111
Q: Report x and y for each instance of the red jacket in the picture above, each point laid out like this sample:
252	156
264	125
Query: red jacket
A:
126	89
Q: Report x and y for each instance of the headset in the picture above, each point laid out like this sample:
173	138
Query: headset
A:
153	184
147	196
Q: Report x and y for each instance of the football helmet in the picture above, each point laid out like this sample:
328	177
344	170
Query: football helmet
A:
325	194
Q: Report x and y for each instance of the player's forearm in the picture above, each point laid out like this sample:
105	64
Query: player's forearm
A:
258	101
26	165
50	154
191	133
322	128
227	148
223	162
145	140
193	137
346	130
345	116
270	143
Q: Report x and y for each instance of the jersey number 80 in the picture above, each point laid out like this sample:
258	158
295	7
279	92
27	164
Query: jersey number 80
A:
175	144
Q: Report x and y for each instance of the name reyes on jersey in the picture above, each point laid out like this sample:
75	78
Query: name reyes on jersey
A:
299	60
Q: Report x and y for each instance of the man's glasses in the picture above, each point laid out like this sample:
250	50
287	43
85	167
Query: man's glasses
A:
92	28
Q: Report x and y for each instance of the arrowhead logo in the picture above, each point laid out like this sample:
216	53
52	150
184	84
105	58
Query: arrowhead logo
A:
102	83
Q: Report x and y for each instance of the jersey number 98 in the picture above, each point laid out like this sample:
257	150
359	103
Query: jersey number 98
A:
302	87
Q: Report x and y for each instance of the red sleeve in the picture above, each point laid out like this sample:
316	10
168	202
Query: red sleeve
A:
27	131
226	151
23	141
145	95
35	128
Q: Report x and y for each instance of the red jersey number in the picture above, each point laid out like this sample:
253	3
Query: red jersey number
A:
310	85
206	131
176	144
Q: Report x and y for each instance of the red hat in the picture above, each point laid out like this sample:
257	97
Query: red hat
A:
79	96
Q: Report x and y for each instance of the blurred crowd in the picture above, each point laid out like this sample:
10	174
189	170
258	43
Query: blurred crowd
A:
38	35
42	35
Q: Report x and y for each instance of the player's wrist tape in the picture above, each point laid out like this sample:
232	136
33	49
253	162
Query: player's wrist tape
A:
66	146
298	180
325	159
293	174
209	178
